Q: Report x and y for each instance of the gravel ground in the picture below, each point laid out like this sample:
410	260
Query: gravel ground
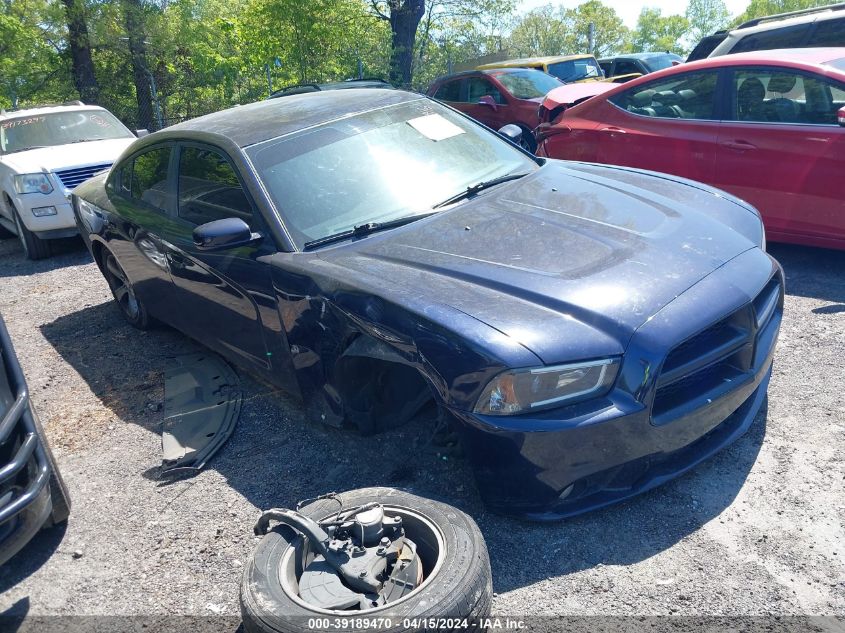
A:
756	530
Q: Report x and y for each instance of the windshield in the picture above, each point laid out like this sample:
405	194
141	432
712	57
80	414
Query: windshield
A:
659	62
59	128
838	64
378	166
576	69
528	84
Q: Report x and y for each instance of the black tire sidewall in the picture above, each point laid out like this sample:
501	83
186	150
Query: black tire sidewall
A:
142	320
461	588
34	247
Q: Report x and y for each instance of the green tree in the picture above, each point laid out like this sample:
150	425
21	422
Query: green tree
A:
611	33
762	8
546	30
656	32
706	17
80	51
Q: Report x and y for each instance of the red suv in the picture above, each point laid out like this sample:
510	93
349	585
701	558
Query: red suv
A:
498	97
767	126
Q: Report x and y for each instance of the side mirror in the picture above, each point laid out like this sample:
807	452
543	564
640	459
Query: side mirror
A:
840	116
488	101
512	132
226	233
142	132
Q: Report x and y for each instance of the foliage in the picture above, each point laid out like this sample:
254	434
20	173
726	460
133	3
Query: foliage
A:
705	17
205	55
656	32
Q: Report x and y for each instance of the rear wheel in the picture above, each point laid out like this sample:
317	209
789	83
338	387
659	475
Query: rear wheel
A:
33	246
131	308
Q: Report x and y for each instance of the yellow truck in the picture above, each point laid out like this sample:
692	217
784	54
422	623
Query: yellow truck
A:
568	68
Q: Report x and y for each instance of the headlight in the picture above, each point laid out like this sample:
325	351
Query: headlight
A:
522	390
33	183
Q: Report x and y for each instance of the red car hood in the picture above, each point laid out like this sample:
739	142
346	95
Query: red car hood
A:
570	93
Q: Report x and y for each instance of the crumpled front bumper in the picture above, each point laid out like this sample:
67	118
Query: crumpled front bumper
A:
563	462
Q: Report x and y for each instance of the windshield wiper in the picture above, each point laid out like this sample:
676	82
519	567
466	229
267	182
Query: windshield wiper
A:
479	186
365	229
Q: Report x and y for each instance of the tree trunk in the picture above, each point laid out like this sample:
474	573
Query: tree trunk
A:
134	17
80	52
405	16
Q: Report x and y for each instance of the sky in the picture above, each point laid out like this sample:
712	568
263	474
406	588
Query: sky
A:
629	10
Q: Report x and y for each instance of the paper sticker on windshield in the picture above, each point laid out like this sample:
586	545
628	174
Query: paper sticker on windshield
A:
435	127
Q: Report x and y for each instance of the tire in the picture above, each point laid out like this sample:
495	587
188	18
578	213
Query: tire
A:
33	246
131	308
461	588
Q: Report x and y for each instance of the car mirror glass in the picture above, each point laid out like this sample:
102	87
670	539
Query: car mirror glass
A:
511	132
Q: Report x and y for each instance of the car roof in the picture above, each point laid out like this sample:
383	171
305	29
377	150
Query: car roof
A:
347	84
813	56
767	23
47	109
552	59
493	72
255	122
647	55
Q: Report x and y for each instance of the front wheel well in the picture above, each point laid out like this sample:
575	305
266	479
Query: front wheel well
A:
379	393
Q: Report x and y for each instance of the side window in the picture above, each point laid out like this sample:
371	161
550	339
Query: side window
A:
829	33
769	95
625	67
209	189
148	182
787	37
687	96
606	67
480	87
450	91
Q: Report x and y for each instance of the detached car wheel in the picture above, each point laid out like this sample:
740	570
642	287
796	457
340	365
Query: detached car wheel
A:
287	588
124	294
33	246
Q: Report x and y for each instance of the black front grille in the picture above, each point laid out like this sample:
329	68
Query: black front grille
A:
72	177
24	470
713	362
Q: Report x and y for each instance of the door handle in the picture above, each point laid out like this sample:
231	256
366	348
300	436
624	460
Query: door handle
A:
738	146
613	130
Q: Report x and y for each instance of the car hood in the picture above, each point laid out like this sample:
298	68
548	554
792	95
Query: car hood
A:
65	156
568	262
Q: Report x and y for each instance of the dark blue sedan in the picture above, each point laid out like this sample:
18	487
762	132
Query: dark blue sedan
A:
590	331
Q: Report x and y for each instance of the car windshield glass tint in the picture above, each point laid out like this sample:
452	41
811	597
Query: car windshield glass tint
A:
659	62
378	166
528	84
59	128
575	69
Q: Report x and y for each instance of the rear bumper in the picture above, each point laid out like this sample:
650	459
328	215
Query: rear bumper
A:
25	468
589	455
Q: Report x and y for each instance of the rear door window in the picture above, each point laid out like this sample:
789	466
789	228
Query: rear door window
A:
781	95
828	33
686	96
450	91
787	37
145	178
